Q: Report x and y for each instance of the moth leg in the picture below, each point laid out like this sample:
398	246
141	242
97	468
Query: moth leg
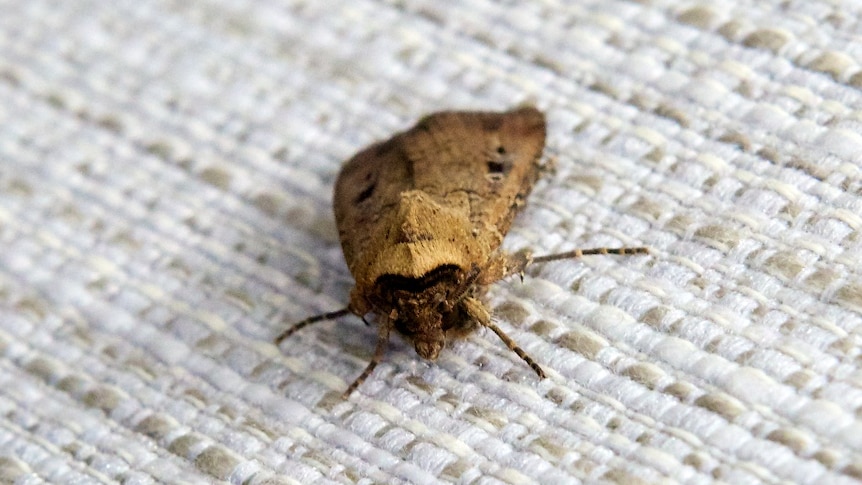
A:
478	312
577	253
515	263
308	321
502	265
382	342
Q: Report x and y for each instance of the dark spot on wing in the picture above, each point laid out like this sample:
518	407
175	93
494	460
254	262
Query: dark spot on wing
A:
495	167
365	194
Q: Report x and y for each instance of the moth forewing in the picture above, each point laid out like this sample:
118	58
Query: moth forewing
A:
421	217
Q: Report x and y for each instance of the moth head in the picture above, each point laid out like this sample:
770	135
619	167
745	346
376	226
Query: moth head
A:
420	308
421	322
429	349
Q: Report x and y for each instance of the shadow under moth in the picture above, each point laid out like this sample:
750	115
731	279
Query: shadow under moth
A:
421	217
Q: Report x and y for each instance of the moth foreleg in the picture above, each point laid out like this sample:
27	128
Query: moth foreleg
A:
478	313
514	347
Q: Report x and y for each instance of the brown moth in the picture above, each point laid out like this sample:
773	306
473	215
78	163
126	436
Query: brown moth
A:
421	217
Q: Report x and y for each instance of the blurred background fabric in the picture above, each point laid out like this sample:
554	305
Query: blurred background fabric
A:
166	170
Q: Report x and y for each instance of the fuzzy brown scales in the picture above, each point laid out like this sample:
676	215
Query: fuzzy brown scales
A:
421	218
439	193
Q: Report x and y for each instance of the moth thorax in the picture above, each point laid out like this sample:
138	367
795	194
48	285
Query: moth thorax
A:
422	218
420	236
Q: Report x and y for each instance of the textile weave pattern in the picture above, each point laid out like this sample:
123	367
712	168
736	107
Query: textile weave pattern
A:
166	171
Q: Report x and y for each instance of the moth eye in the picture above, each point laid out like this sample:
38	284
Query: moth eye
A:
501	150
495	167
365	194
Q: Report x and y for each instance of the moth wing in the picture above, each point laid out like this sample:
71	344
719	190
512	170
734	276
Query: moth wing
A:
492	157
366	189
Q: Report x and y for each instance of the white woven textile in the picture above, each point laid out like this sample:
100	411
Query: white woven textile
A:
165	191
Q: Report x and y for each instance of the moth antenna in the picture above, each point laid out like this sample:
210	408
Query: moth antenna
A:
382	342
577	253
514	347
308	321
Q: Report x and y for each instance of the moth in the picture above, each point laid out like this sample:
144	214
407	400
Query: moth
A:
421	218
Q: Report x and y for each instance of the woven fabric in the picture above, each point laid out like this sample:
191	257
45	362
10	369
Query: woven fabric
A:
165	211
